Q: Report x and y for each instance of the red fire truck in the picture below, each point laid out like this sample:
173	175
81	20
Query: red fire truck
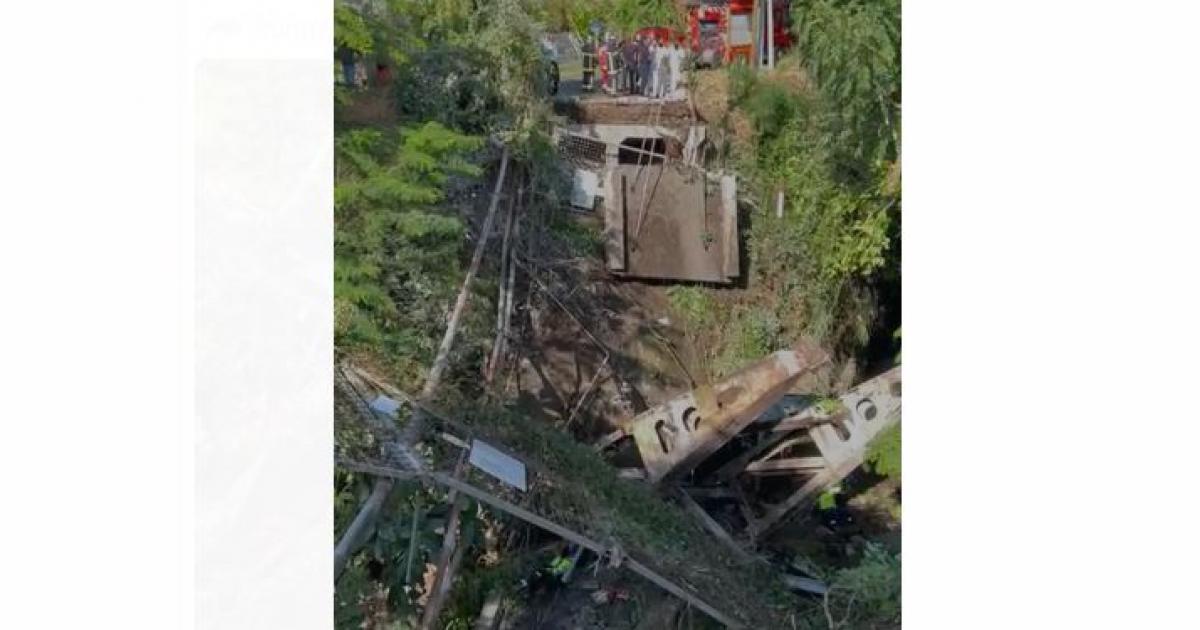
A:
722	31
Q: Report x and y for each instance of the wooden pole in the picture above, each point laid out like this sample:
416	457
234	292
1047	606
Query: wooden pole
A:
502	302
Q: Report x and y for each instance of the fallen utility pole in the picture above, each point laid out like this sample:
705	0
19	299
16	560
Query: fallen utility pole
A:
356	533
503	301
601	549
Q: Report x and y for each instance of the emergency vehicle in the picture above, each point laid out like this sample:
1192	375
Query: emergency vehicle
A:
722	31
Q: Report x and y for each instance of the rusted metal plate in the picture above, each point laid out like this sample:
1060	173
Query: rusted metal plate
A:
668	222
674	437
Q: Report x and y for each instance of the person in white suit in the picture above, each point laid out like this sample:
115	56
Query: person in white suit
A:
676	74
663	60
651	80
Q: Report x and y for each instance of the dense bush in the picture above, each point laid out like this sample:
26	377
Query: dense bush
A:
833	151
395	257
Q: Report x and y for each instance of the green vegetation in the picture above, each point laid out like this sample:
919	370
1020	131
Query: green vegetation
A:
832	148
404	193
580	239
617	16
883	456
693	303
395	257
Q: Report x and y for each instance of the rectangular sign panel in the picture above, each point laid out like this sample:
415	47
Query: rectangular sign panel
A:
497	464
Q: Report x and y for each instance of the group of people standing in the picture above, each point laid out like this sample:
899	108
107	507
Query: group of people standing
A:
643	65
354	70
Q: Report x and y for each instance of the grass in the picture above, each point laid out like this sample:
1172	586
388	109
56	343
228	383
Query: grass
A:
581	240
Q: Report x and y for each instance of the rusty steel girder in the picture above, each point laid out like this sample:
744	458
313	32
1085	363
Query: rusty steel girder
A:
677	435
870	408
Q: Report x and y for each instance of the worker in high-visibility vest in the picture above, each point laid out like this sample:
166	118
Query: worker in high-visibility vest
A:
552	576
559	566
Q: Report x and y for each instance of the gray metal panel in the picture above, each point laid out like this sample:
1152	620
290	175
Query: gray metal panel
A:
491	461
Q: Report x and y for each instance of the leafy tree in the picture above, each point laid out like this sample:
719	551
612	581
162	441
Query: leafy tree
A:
516	67
852	49
396	260
833	151
618	16
631	15
350	30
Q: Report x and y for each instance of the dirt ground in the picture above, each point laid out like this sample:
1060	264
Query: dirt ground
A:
374	106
